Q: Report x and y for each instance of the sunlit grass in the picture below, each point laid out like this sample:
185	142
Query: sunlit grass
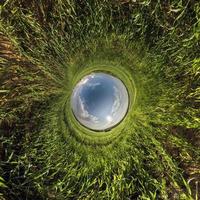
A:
47	47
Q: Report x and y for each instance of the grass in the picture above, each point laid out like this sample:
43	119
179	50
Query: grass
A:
47	47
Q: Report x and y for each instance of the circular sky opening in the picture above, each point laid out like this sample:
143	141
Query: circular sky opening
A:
99	101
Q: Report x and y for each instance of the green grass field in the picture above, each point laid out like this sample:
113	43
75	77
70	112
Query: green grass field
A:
47	46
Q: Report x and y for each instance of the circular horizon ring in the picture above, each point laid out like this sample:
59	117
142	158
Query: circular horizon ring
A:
100	101
72	128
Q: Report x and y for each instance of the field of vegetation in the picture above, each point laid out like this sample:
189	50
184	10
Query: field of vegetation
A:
47	46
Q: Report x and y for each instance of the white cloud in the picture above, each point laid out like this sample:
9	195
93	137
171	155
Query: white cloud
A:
83	81
93	85
84	114
116	104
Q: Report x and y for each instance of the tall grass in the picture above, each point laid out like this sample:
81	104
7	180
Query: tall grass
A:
153	46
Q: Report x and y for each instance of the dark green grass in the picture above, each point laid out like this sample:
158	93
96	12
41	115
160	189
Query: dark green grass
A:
153	47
